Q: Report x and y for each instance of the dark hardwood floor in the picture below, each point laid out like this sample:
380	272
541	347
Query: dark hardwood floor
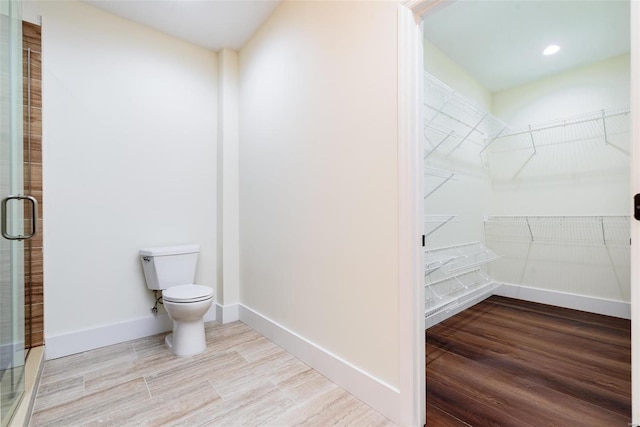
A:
507	362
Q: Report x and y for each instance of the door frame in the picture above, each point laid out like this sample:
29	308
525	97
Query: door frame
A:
635	225
411	211
410	167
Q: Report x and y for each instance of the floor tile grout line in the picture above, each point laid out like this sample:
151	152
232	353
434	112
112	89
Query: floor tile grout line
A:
267	370
144	378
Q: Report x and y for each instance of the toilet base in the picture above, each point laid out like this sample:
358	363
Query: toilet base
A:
187	339
188	336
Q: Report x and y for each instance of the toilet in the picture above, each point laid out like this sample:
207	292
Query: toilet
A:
172	270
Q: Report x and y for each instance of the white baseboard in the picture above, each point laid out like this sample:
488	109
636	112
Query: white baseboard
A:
89	339
219	310
562	299
227	313
374	392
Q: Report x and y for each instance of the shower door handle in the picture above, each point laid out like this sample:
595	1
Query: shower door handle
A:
34	216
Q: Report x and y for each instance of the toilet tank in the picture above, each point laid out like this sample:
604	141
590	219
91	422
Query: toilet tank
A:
169	265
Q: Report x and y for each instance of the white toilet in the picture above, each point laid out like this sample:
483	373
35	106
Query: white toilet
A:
172	269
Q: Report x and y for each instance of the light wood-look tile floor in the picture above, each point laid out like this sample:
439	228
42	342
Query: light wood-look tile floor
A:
241	379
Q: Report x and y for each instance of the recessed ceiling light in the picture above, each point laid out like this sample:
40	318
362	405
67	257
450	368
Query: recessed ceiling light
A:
551	49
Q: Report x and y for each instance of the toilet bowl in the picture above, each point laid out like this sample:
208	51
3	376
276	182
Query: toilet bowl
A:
186	306
172	270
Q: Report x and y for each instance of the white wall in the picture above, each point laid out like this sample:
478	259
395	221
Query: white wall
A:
438	64
129	161
318	182
591	87
587	177
228	182
584	176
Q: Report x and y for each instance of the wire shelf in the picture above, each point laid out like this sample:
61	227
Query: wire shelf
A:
581	230
443	263
606	126
436	309
439	292
434	262
453	119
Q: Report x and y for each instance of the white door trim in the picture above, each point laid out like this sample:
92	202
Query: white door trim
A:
410	214
635	225
410	211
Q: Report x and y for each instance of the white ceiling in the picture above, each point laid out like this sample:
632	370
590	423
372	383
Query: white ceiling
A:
501	42
212	24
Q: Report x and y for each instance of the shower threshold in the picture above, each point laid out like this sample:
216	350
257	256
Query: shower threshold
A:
33	369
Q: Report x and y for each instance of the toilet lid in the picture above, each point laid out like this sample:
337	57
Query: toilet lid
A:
187	293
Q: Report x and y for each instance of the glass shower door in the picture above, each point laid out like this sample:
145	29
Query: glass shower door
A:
12	218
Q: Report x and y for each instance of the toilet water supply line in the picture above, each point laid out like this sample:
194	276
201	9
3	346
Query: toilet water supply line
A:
154	309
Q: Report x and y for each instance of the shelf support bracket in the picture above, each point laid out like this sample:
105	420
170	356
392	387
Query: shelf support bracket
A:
529	227
604	127
438	145
445	222
533	141
493	140
438	111
471	131
447	179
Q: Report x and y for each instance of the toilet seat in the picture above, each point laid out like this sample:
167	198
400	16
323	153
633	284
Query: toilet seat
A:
187	293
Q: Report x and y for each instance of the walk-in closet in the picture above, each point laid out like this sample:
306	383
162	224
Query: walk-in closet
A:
527	187
527	166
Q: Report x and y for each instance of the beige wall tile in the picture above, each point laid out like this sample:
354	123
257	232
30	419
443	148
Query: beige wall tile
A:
34	293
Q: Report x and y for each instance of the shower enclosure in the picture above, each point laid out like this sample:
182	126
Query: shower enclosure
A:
12	221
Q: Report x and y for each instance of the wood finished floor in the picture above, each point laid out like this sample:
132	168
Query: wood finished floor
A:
507	362
241	379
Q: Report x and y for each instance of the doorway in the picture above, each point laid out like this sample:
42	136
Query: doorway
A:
527	172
